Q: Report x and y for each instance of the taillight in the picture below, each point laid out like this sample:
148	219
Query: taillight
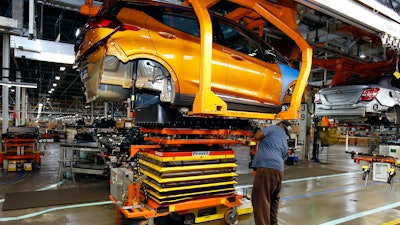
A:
108	23
317	98
369	94
103	23
129	27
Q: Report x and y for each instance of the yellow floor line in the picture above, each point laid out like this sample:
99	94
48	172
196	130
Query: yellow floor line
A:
393	222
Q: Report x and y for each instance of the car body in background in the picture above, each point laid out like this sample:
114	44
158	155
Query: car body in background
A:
361	103
155	46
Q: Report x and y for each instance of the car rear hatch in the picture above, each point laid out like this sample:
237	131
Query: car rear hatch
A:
342	95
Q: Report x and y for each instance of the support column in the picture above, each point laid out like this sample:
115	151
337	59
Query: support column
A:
31	18
17	108
303	132
91	113
105	110
24	106
5	89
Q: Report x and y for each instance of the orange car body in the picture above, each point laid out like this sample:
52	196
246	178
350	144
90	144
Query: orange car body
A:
161	52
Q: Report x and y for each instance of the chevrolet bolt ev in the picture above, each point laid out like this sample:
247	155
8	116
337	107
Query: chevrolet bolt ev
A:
361	103
152	49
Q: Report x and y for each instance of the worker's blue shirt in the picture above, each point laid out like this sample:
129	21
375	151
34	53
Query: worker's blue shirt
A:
272	149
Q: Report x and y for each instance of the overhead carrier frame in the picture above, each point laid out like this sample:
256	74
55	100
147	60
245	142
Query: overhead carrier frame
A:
283	16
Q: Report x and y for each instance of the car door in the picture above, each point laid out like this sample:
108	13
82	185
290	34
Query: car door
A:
177	40
249	76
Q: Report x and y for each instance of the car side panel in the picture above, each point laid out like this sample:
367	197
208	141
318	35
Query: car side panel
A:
388	97
132	42
265	84
120	44
181	52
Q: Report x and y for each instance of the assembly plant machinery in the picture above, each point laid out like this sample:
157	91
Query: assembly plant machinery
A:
183	165
20	148
382	166
186	173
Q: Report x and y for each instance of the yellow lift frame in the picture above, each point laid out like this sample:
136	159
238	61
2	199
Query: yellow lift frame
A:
283	16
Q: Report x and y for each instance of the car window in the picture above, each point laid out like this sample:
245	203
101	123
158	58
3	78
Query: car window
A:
183	21
240	42
186	22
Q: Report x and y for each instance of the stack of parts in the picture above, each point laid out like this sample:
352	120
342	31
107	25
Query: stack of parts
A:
174	176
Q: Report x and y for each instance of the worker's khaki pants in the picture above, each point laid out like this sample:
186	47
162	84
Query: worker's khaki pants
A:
265	196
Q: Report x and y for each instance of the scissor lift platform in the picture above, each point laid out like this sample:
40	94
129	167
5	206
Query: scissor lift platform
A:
191	211
20	150
188	174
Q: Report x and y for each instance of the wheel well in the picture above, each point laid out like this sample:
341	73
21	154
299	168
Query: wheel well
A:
155	76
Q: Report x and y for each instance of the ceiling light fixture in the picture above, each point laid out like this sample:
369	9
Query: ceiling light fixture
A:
357	14
18	84
57	77
77	32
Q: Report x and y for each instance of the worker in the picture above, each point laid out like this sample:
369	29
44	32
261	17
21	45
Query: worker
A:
268	164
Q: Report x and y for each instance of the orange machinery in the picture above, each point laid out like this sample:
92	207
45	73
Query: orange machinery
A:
374	158
183	172
20	145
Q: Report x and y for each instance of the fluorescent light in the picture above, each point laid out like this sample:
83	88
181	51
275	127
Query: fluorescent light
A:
356	14
57	77
18	84
62	68
54	84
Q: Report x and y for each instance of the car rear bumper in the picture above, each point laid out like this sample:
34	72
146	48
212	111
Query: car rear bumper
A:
340	112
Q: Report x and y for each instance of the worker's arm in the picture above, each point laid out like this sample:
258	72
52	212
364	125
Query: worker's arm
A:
258	135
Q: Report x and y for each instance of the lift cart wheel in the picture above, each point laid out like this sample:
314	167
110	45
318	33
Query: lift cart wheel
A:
188	219
230	216
143	222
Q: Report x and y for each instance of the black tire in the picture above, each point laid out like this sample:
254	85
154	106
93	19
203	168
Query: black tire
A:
397	114
188	219
230	216
394	115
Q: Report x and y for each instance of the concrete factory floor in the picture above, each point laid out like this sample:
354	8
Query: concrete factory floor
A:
327	192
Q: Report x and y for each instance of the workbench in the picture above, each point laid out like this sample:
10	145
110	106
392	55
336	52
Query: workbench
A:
83	156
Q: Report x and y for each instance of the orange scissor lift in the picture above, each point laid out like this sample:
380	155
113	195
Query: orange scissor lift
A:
207	104
20	148
201	192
